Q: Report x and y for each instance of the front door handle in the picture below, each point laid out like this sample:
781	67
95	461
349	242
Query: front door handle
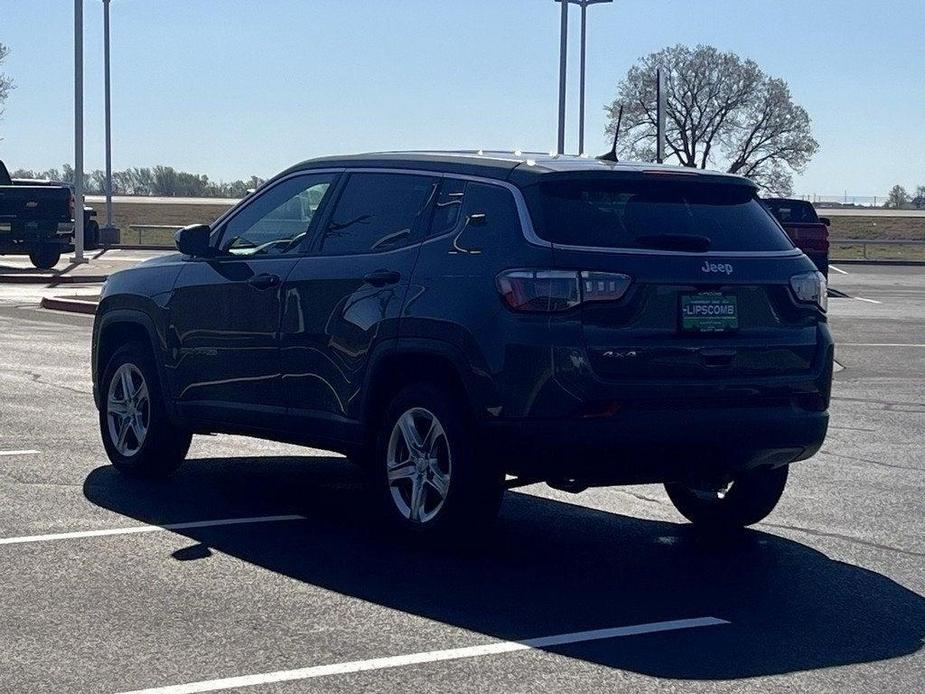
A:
264	281
380	278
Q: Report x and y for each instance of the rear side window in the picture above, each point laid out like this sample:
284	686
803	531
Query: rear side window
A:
377	212
658	215
487	210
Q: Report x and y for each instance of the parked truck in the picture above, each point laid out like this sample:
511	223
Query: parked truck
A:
808	231
37	219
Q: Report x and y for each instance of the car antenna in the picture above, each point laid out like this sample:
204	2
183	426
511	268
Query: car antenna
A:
612	154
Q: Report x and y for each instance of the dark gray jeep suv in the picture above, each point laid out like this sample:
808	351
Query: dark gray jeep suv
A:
462	323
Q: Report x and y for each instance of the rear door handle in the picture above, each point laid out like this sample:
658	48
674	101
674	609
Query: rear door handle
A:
264	281
380	278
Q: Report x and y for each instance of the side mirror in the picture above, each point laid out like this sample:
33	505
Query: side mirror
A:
194	240
826	221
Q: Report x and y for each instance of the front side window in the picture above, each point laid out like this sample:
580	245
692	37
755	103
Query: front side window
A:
280	219
377	212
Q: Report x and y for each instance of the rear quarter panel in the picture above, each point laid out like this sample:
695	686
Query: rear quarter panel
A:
453	300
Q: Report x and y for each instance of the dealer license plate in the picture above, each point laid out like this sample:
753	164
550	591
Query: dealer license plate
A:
709	312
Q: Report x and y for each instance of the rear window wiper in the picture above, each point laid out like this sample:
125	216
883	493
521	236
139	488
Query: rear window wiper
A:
674	242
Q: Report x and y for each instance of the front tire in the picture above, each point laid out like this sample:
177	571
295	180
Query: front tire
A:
750	498
137	434
427	476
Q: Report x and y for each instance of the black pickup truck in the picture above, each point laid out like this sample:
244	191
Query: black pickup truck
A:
37	219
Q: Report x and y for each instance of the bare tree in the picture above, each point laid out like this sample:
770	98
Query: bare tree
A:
722	112
6	83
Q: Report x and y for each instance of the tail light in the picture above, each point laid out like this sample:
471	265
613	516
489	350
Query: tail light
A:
811	239
811	288
549	291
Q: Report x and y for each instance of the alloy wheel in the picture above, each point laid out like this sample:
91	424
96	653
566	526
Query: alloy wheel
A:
128	410
418	465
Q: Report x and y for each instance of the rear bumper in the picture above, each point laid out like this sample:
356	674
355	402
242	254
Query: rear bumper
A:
656	445
24	239
671	429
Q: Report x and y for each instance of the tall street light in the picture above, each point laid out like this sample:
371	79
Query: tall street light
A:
78	256
563	54
108	118
563	49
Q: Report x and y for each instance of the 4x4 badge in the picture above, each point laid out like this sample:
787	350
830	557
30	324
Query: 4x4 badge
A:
725	268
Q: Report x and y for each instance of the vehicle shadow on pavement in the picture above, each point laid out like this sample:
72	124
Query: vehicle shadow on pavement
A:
548	568
60	269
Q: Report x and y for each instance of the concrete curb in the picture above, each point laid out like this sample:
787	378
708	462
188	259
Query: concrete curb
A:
139	247
52	280
69	305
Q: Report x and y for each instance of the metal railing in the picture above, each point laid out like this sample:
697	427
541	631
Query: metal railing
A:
864	243
162	233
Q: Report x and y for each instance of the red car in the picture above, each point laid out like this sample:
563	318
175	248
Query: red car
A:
808	231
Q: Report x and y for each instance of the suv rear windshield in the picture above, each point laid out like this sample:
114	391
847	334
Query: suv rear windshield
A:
661	215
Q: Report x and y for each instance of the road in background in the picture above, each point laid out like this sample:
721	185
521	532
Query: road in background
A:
161	200
826	596
867	212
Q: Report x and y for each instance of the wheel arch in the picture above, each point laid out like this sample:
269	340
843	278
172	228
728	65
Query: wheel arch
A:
398	363
114	329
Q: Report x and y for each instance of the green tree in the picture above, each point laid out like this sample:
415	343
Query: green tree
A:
159	180
897	199
918	200
6	83
722	112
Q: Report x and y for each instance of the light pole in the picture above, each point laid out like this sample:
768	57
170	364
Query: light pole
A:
108	119
563	55
78	256
581	88
563	48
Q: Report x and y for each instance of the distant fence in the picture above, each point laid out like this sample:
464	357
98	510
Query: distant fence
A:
883	249
846	200
160	235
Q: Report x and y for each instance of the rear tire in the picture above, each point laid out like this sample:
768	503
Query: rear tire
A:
92	237
137	434
436	486
45	257
750	498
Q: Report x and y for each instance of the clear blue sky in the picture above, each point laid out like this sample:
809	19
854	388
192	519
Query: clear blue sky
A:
232	88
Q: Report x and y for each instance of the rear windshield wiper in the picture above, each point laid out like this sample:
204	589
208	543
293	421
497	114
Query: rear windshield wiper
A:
674	242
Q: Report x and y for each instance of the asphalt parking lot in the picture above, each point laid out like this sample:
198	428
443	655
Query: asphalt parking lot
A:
258	562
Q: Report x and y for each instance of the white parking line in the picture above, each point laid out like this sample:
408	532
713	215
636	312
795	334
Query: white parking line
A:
145	529
880	344
26	452
429	657
837	269
870	301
